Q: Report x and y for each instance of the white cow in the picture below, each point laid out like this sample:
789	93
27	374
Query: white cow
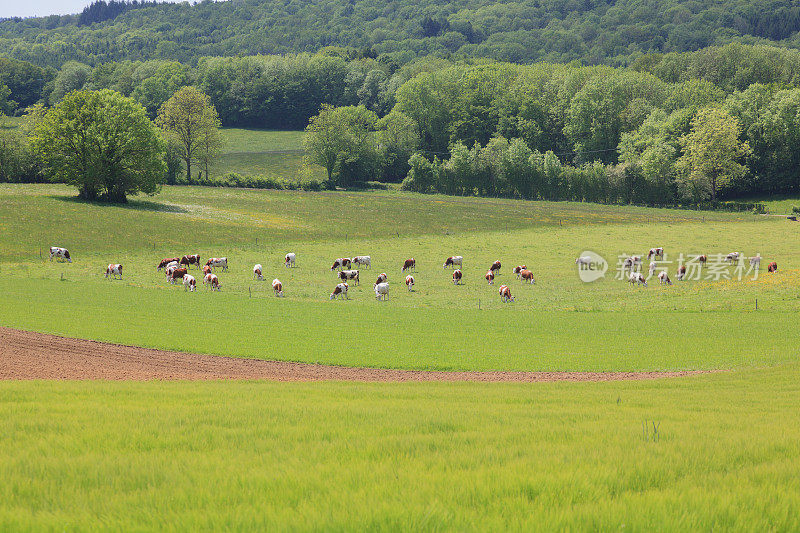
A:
114	270
189	283
732	257
652	268
215	262
453	261
363	260
60	254
755	262
664	278
585	260
257	273
410	282
277	286
382	291
288	261
636	278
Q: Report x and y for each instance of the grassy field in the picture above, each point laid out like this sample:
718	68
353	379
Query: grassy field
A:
400	457
258	153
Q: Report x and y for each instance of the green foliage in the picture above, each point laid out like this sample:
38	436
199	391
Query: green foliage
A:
102	143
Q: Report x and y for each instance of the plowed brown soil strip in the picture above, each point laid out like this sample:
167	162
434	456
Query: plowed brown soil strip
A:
27	355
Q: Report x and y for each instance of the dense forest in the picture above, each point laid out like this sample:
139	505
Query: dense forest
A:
523	31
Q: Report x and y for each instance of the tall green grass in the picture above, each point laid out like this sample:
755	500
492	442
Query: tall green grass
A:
257	153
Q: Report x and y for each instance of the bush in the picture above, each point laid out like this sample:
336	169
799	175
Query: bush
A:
795	209
232	179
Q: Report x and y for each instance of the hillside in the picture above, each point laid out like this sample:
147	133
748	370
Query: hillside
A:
594	31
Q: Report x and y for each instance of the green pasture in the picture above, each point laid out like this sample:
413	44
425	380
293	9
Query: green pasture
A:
276	154
559	323
378	457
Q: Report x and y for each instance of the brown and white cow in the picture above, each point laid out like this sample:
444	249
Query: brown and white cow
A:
257	272
212	281
167	261
518	269
288	260
732	257
362	260
663	277
277	286
347	275
189	283
206	269
495	268
410	282
681	272
655	252
457	277
170	269
489	277
632	263
526	275
409	264
453	261
702	259
382	278
177	274
505	294
61	254
382	291
188	260
114	270
340	290
637	278
340	263
218	262
772	267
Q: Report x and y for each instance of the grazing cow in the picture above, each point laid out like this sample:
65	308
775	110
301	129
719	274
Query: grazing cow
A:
382	278
755	262
663	277
732	257
632	263
527	275
277	286
340	263
453	261
520	268
114	270
495	268
206	269
702	259
213	281
166	262
189	283
772	267
177	274
409	264
410	282
207	278
489	277
61	254
347	275
457	277
170	269
655	252
340	290
636	278
188	260
257	274
585	260
382	291
215	262
681	272
363	260
505	294
652	268
288	261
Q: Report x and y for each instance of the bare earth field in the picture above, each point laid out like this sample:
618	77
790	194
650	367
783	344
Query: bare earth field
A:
27	355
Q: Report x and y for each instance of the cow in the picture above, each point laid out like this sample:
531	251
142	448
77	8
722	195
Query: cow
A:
681	272
585	261
207	278
772	267
636	278
505	294
663	277
381	278
165	262
363	260
655	252
382	291
114	270
340	263
347	275
527	275
652	268
340	290
169	270
632	263
453	261
489	277
189	283
61	254
206	270
410	282
457	277
177	274
257	273
732	257
277	286
702	259
188	260
495	268
288	260
755	262
215	262
212	281
409	264
520	268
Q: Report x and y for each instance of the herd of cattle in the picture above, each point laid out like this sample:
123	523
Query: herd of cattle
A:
177	268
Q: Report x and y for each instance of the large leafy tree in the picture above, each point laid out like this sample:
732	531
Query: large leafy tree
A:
191	124
102	143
